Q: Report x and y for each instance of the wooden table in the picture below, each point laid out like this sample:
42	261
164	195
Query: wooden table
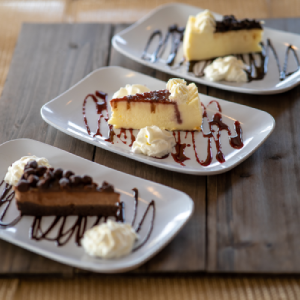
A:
245	220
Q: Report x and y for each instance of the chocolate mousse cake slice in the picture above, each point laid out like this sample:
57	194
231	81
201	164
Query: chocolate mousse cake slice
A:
46	191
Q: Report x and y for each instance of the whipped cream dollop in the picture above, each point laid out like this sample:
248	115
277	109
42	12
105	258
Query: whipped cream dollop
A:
153	141
16	170
181	92
109	240
205	22
130	89
227	68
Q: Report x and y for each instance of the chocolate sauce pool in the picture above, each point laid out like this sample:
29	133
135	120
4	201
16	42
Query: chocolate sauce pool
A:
58	225
258	67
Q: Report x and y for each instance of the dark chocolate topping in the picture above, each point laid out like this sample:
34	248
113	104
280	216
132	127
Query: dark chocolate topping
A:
32	180
231	23
28	172
58	173
75	180
106	187
67	173
43	184
49	178
160	96
41	170
87	179
64	183
32	164
23	185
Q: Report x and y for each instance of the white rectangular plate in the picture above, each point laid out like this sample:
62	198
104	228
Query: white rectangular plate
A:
65	113
131	42
173	209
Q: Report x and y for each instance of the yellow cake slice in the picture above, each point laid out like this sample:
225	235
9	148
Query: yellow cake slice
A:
175	108
206	38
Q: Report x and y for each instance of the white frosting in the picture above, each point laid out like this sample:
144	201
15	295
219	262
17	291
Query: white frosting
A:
205	22
109	240
180	92
16	170
153	141
227	68
130	89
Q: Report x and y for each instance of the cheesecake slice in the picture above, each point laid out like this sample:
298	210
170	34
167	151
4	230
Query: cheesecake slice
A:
206	38
175	108
46	191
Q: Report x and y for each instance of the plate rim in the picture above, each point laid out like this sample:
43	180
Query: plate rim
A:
115	44
76	263
141	159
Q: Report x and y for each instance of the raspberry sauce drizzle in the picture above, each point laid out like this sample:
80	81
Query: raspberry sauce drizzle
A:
179	155
100	107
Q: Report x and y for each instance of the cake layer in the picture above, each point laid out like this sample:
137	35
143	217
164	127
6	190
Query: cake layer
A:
30	208
201	45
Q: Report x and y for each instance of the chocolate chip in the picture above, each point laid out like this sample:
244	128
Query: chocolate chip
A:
32	180
43	184
33	164
75	180
58	173
67	173
87	179
27	166
64	183
106	187
41	170
23	186
28	172
49	174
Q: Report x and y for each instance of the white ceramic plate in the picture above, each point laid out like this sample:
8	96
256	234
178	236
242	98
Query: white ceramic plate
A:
65	113
132	41
173	209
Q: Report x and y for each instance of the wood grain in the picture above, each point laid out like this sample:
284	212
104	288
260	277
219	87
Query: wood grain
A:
47	61
254	210
246	220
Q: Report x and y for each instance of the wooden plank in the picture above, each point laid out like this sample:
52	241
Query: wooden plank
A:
187	251
254	210
47	61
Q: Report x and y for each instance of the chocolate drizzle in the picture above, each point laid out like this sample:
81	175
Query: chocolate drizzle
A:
139	227
174	33
6	199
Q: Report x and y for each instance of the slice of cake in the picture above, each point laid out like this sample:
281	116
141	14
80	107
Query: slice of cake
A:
175	108
206	38
46	191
